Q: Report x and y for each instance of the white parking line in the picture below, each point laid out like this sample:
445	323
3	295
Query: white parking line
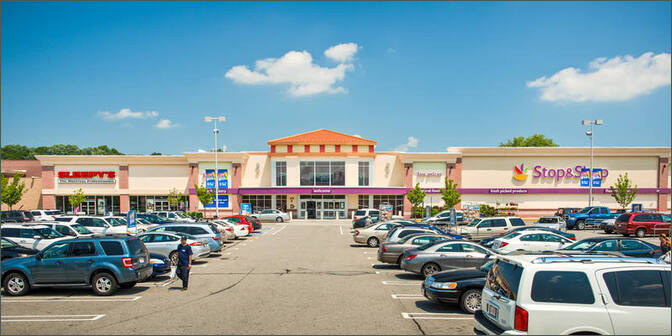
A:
73	299
370	252
402	283
199	266
168	282
340	228
282	228
436	316
407	296
370	258
50	318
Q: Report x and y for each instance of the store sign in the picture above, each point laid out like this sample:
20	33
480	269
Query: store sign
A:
539	171
92	177
222	177
429	173
521	173
223	202
321	191
507	191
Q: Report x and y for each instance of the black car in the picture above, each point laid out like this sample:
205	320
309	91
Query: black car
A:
487	242
365	221
462	286
630	247
16	216
10	249
256	223
160	264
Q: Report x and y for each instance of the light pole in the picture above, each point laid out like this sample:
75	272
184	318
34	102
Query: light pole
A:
590	172
216	131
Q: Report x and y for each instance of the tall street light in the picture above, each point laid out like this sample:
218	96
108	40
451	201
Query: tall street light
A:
590	172
216	131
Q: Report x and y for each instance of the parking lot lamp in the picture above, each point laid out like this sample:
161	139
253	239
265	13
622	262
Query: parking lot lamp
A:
590	172
216	131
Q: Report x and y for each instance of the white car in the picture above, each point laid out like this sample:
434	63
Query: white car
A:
400	232
364	213
553	222
45	215
225	230
70	229
530	240
575	295
238	229
34	236
97	225
175	216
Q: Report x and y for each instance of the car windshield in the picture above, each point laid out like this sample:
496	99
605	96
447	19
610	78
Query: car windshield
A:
181	234
80	229
53	212
360	213
116	221
181	215
474	222
582	245
546	220
486	267
511	235
428	245
152	218
405	239
7	244
48	233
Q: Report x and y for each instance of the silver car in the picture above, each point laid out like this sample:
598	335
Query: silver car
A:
553	222
444	255
271	215
392	253
206	231
165	243
400	232
372	235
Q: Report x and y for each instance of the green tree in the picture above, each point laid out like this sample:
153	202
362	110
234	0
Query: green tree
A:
156	153
76	199
16	152
174	197
416	196
12	193
487	211
624	192
19	152
534	140
450	195
204	195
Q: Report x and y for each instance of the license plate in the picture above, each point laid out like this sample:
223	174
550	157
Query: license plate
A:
492	310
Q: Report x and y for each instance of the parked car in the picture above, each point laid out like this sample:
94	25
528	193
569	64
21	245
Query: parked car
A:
160	264
104	264
364	213
165	243
562	212
225	230
443	217
401	232
239	230
272	215
444	255
588	215
256	223
144	225
630	247
553	222
532	240
152	218
32	236
10	249
45	215
372	235
240	220
642	223
70	229
574	295
97	225
204	231
364	222
462	286
608	225
487	242
480	228
392	253
398	225
16	216
175	216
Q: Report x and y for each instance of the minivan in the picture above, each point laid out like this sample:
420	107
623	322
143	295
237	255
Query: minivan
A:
642	223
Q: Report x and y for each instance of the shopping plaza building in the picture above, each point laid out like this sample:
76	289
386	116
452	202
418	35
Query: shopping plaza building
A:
326	175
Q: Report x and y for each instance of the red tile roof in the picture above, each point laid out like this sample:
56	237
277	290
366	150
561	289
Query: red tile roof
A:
322	137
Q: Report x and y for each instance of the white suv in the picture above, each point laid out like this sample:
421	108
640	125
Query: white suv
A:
364	213
481	228
561	294
97	225
31	235
45	215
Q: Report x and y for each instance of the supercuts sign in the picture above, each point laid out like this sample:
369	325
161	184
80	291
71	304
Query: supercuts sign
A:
87	177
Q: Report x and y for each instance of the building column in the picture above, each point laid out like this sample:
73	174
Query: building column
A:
237	176
48	183
193	180
454	172
663	166
408	183
48	201
124	203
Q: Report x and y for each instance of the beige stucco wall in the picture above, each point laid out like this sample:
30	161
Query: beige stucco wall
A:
32	199
89	188
395	177
253	178
430	181
157	179
497	172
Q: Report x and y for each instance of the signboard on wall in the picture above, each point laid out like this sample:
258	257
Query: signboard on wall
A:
222	177
223	202
131	228
245	209
87	177
597	177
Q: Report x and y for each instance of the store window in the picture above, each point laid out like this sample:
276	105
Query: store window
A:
322	173
363	169
258	202
281	173
363	202
396	201
157	203
281	202
92	205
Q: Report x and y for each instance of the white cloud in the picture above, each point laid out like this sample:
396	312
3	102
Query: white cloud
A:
165	123
295	68
614	79
127	113
202	150
412	143
343	52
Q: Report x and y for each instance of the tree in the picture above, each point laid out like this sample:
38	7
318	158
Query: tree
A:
534	140
16	152
204	195
12	193
19	152
174	197
76	199
416	196
487	211
624	193
450	195
156	153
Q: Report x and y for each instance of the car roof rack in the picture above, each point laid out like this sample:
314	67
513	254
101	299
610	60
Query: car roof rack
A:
566	253
590	259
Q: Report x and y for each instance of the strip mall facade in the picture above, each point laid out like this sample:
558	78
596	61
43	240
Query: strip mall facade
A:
327	175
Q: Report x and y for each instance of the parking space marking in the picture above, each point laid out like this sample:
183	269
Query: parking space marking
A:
50	318
73	299
282	228
436	316
168	282
340	228
401	283
370	252
407	296
370	258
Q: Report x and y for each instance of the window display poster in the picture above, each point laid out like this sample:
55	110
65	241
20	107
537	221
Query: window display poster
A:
597	177
223	202
222	178
245	209
209	178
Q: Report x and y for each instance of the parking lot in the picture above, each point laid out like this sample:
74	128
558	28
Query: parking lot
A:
296	278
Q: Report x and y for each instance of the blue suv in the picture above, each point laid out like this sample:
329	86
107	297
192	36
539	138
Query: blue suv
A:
104	264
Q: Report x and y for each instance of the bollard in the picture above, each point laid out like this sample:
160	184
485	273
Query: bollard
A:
290	215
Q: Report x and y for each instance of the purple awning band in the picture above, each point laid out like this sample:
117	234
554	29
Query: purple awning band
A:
402	191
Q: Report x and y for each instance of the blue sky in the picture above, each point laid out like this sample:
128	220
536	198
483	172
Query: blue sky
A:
446	74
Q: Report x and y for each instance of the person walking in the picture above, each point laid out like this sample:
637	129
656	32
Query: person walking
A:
184	262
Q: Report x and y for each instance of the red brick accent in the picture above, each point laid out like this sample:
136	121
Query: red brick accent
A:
272	148
338	148
370	148
32	167
454	172
290	148
234	201
48	179
123	181
321	148
306	148
355	148
193	176
663	169
124	204
408	183
236	181
193	202
49	201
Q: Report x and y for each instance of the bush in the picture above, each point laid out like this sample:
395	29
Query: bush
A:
487	211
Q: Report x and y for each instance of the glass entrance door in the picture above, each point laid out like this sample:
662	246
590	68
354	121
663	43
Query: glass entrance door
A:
311	212
88	207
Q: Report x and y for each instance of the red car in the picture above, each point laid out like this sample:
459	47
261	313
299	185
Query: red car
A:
240	220
642	223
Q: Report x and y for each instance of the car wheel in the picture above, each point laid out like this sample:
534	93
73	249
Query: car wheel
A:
399	259
609	230
580	225
279	220
430	268
104	284
470	301
127	285
640	233
372	242
16	284
173	257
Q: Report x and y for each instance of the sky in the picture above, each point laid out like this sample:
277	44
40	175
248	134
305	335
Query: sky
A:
416	77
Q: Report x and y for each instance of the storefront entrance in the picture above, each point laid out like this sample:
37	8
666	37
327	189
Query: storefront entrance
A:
310	210
322	206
